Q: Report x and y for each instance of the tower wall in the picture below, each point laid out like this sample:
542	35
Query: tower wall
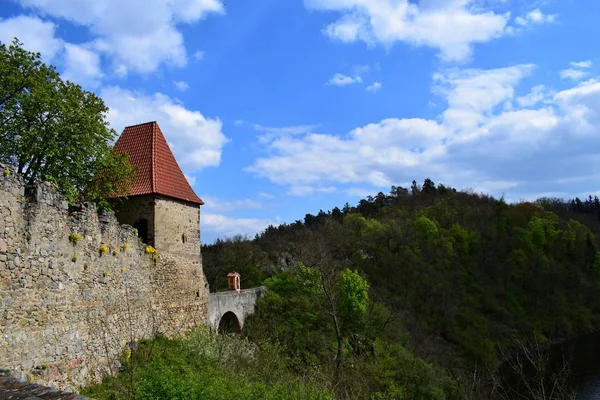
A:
180	281
134	209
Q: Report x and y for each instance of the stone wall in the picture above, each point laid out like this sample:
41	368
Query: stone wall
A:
76	288
184	289
136	208
240	303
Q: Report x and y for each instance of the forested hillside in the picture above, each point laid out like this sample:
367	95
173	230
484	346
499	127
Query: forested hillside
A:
453	280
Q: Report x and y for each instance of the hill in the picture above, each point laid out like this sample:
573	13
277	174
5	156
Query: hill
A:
456	279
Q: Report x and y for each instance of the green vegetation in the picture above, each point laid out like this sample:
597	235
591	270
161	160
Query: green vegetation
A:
456	278
55	131
75	237
333	333
204	365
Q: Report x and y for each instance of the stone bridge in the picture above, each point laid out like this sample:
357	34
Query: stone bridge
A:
228	310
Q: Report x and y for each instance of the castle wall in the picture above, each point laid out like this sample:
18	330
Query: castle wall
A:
67	308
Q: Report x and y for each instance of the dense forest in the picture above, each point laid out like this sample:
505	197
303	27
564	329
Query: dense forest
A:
421	293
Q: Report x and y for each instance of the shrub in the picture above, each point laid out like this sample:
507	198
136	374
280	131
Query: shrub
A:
204	365
103	249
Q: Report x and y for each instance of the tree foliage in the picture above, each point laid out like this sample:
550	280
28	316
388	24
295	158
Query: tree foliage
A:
461	273
53	130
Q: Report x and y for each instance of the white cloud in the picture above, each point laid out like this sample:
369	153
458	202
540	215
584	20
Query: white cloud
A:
343	80
228	226
197	141
35	34
359	192
451	26
573	74
191	179
535	17
182	86
537	94
475	142
138	35
471	94
82	65
271	132
303	190
215	204
361	69
264	195
374	87
581	64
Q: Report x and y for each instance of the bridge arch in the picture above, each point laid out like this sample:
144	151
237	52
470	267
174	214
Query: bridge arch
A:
229	323
224	307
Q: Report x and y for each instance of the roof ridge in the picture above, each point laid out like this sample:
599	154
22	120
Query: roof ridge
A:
153	155
143	123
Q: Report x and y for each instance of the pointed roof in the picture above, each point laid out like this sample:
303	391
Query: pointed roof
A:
158	171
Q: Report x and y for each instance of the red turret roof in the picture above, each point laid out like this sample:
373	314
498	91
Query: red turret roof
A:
158	171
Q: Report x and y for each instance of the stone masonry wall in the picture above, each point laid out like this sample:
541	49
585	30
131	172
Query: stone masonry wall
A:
184	289
135	208
69	307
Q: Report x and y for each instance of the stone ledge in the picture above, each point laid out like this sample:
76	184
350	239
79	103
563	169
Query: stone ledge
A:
12	389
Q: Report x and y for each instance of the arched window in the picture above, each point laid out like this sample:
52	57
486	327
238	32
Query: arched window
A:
142	228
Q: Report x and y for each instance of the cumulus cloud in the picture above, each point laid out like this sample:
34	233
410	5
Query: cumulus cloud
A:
474	142
537	94
35	34
374	87
82	65
343	80
138	35
221	225
450	26
197	141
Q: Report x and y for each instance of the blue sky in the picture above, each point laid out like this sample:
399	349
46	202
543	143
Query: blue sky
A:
278	108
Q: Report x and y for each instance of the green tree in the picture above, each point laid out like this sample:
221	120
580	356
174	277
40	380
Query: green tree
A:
53	130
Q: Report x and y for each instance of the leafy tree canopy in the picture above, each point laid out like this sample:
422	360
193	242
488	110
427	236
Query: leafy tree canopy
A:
53	130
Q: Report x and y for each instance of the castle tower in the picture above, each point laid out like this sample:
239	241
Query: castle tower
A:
166	212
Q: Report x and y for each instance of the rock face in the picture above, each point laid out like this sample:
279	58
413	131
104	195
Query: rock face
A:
76	288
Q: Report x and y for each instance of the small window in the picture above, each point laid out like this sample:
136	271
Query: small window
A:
142	227
183	238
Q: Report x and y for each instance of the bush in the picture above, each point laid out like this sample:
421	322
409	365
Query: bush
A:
204	365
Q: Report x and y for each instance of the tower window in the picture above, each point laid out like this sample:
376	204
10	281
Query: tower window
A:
142	228
183	238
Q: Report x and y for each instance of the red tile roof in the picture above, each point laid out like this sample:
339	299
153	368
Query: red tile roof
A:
158	171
